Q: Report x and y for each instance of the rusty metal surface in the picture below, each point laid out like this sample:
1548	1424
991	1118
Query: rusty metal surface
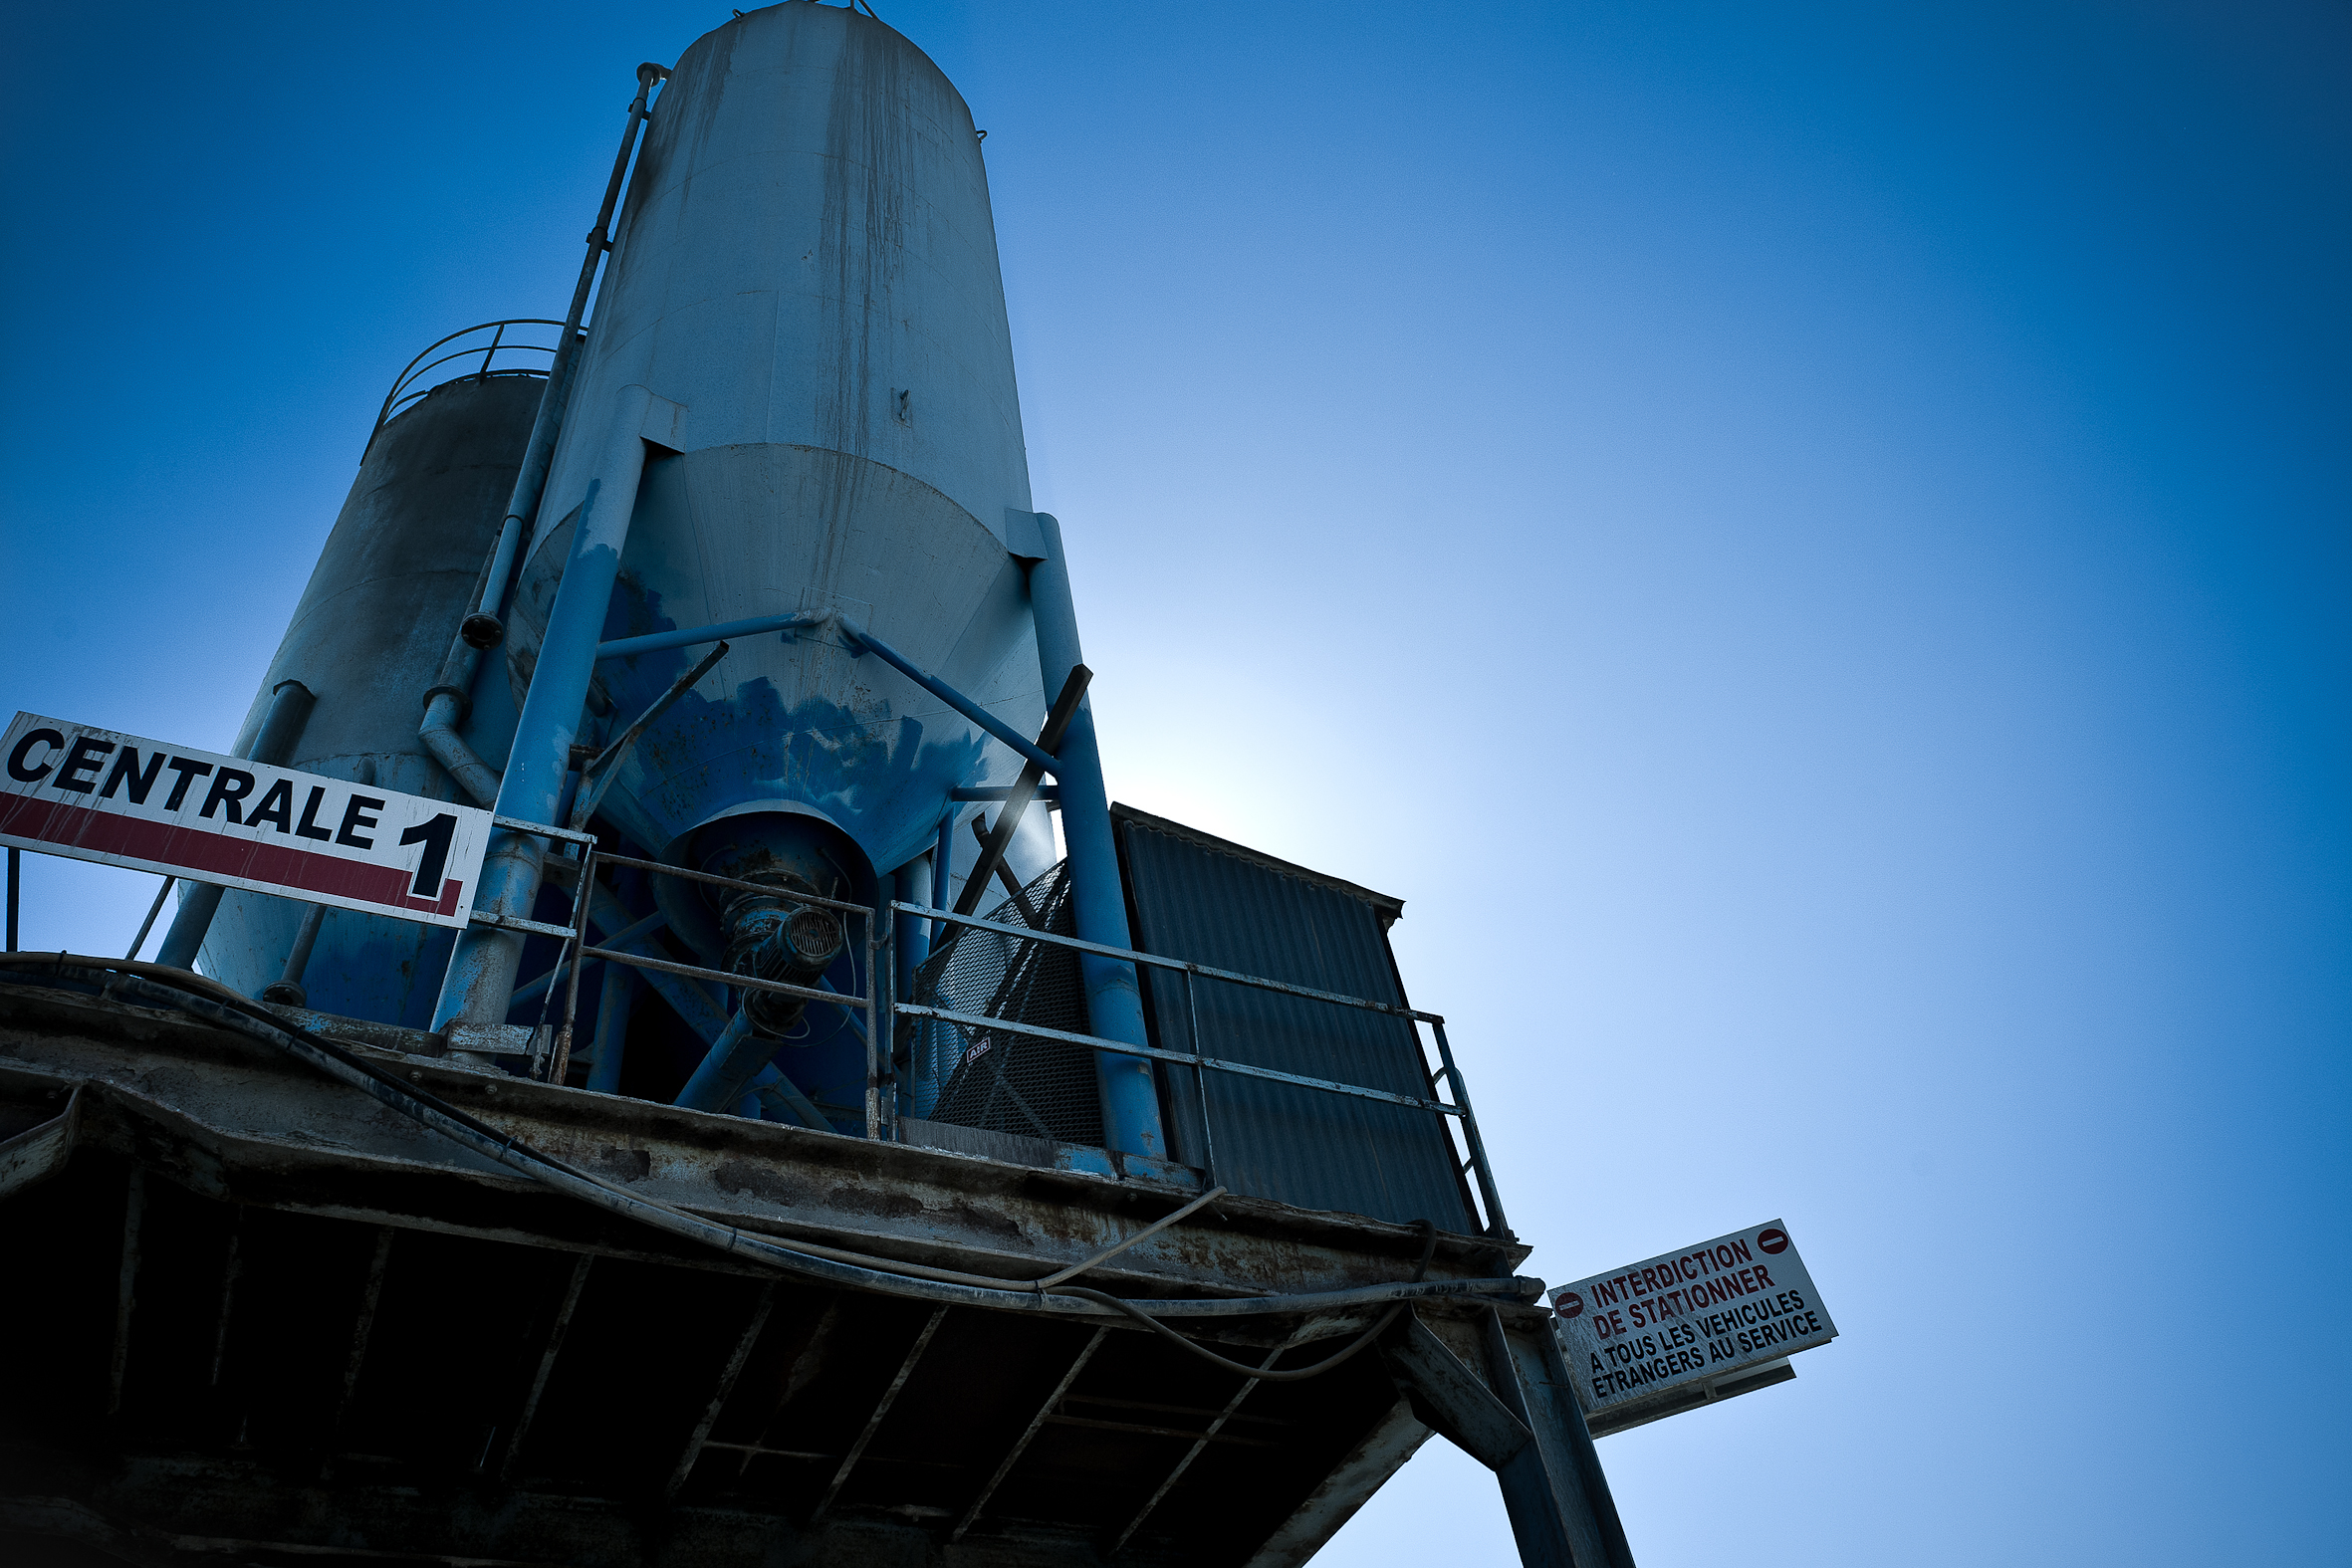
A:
350	1341
244	1121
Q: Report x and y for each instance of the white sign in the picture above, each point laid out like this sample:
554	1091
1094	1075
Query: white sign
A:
1688	1318
125	800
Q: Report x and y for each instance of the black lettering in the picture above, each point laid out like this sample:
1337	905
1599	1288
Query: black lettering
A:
355	815
435	837
308	826
1767	1279
276	807
230	786
126	771
83	759
16	759
189	770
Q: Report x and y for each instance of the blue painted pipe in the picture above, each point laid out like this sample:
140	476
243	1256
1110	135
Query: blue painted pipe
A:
914	945
953	698
555	976
1114	1002
770	1086
612	1026
733	1058
481	976
655	643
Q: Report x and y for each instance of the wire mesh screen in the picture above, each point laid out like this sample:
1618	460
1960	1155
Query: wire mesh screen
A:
1005	1082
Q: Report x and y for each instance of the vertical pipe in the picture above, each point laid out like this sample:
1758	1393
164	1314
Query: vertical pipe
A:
481	975
943	867
288	990
16	866
914	945
483	629
613	1027
1114	1003
290	705
881	963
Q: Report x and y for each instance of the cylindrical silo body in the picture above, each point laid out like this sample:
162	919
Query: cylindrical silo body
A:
398	572
805	291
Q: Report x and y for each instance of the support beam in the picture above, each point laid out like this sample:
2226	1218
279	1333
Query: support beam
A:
230	1272
1377	1456
1028	1435
481	976
547	1362
364	1327
1451	1398
281	725
135	1213
873	1423
1561	1514
1200	1445
1114	1000
726	1376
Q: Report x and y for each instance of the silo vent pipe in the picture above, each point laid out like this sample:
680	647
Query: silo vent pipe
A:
484	628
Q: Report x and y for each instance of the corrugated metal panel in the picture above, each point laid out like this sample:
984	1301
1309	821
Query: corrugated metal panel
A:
1195	897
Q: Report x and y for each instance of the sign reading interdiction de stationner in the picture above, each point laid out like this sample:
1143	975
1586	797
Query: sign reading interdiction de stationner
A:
125	800
1676	1324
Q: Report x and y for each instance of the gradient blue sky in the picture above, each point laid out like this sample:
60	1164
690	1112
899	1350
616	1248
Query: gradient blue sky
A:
1807	542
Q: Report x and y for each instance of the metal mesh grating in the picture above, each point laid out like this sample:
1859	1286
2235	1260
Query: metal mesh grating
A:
1007	1082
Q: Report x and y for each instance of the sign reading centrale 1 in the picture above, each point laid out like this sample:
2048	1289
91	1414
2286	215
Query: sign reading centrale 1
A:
125	800
1689	1328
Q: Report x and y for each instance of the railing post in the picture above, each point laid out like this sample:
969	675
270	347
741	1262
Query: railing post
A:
880	953
1496	1225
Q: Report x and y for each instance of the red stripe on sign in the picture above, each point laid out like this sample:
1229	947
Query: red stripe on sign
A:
183	848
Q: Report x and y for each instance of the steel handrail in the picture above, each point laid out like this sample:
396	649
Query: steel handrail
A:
416	366
1489	1200
981	1020
1158	961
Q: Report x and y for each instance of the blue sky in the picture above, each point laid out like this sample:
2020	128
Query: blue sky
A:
1807	542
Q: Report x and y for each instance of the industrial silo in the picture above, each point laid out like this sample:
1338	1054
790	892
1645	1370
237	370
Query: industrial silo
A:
796	397
367	640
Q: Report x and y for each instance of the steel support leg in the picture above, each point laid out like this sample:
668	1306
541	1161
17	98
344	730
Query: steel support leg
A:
481	978
1115	1002
1561	1511
281	725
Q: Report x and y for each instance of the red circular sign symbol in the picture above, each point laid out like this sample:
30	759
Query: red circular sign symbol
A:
1568	1304
1773	1241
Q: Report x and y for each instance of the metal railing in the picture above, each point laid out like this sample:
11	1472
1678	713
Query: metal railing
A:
881	1097
401	396
1458	1107
553	1063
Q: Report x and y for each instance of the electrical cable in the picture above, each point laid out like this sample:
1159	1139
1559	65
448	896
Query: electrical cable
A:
1266	1374
184	991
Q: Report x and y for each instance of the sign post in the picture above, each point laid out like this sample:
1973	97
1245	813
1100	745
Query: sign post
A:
125	800
1689	1328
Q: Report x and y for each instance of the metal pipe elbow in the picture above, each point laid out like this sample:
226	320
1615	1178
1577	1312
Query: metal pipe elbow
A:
443	708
